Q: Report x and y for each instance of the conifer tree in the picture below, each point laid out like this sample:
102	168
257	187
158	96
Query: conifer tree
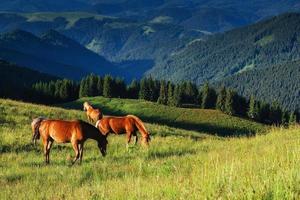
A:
221	99
177	96
170	100
253	111
275	113
292	118
208	97
144	90
163	98
230	102
133	89
83	89
107	86
99	86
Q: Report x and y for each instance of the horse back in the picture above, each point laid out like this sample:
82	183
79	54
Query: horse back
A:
62	131
117	125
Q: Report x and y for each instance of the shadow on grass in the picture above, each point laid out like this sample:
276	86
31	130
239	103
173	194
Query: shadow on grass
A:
169	153
222	131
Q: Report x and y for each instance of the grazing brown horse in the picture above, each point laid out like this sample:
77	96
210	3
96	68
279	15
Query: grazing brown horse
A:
129	124
74	132
92	114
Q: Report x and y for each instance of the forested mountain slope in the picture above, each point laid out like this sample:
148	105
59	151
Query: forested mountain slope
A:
14	79
257	46
279	83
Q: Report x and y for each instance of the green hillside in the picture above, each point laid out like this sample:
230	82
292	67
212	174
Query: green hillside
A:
208	121
261	167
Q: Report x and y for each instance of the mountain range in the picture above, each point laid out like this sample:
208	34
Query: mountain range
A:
220	41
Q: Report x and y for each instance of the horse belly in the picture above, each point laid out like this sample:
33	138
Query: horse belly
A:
60	138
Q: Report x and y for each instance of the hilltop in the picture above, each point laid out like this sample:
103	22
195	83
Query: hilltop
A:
202	120
209	166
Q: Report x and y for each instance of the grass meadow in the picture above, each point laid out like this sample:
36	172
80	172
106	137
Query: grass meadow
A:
180	163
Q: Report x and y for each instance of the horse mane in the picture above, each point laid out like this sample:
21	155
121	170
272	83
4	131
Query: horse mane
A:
141	124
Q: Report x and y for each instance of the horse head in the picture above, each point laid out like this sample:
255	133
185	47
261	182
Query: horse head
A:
85	104
102	145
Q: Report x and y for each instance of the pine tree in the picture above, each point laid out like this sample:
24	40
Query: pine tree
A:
144	92
177	96
292	118
133	89
83	88
99	86
208	97
264	112
275	113
107	86
163	99
221	99
170	100
253	111
230	102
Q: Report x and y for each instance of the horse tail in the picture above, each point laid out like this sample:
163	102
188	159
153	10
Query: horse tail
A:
36	123
141	127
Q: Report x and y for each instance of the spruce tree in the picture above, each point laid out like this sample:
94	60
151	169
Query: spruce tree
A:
177	96
275	113
99	86
107	86
163	98
208	97
145	92
292	118
133	89
170	100
230	102
253	111
83	88
221	99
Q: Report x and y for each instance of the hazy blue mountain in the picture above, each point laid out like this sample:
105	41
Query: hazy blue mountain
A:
52	52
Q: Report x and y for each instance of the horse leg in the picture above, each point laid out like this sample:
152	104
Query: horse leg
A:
128	138
80	145
136	138
75	147
45	143
50	142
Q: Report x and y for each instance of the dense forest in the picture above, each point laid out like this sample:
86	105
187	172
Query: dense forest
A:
167	93
16	81
261	45
280	83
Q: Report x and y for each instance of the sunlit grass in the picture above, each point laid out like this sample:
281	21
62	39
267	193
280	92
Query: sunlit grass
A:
176	166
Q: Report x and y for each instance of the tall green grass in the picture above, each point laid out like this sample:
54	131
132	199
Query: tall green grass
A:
176	166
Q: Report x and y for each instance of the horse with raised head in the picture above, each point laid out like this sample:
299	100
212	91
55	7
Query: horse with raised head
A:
74	132
128	125
92	114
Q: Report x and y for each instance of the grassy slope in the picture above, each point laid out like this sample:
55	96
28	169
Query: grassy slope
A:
209	121
265	166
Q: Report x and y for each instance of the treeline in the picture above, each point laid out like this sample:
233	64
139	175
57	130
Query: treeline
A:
166	93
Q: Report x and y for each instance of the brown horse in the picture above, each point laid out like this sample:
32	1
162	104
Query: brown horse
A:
129	124
74	132
92	114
